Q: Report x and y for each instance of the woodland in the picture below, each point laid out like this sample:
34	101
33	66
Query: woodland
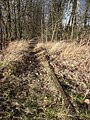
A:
44	59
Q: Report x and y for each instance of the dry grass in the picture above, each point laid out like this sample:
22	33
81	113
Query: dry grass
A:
71	54
69	50
71	64
48	103
15	50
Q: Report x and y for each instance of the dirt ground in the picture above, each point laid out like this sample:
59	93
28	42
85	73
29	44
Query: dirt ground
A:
26	90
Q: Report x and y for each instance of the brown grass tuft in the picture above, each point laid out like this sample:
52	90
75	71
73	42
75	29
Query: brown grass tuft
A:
15	50
68	50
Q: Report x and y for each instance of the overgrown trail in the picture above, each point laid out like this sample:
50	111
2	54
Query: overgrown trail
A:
16	89
33	92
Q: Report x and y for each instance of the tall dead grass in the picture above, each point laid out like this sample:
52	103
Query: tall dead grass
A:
64	49
15	50
68	49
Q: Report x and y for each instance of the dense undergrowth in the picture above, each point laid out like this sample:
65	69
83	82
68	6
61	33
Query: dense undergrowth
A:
27	94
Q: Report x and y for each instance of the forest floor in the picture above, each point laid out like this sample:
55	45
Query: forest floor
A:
27	91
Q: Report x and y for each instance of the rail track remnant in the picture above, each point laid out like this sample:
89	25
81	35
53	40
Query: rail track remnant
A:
43	53
32	59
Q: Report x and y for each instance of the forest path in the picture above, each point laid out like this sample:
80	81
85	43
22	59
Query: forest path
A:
34	89
41	57
24	94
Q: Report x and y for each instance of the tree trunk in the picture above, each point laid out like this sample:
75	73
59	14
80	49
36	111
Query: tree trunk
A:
86	12
15	23
9	20
73	18
1	34
19	19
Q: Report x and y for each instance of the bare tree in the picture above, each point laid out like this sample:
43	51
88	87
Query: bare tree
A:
1	32
44	18
86	13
